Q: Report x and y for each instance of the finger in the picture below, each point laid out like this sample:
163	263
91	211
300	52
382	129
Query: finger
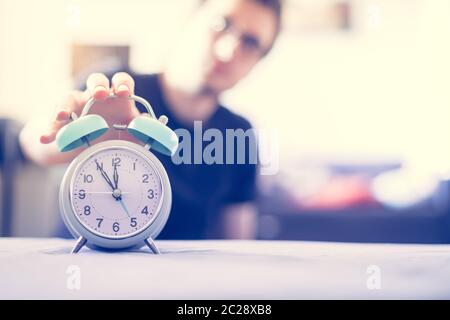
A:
63	115
71	104
51	135
98	86
62	118
123	84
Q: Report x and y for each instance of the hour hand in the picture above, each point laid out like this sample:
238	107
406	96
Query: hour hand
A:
105	175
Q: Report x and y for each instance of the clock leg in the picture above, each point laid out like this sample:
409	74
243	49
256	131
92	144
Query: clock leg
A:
80	244
151	244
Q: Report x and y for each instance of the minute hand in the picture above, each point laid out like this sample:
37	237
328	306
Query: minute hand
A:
116	177
105	175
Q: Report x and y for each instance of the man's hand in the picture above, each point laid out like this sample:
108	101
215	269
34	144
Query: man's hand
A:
38	141
113	110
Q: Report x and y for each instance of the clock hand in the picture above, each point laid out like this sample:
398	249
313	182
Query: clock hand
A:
124	207
105	175
116	177
116	193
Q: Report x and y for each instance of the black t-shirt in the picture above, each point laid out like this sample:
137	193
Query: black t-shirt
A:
200	191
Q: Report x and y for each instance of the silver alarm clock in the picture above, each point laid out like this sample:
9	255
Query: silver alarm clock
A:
116	194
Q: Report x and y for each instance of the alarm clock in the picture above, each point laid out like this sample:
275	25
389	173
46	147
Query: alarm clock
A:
116	194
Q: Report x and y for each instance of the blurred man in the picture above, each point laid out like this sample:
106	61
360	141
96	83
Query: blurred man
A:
220	46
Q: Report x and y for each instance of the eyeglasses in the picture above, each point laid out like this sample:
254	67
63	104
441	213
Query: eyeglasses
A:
249	44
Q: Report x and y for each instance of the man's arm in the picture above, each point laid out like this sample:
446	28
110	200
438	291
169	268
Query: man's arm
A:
37	139
239	215
39	153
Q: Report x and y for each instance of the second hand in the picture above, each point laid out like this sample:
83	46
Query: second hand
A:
124	207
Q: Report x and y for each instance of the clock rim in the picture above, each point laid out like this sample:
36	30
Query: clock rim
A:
152	228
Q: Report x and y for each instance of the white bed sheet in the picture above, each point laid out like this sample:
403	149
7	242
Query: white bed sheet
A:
41	269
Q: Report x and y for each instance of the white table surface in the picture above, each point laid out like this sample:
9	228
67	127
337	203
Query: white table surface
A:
37	269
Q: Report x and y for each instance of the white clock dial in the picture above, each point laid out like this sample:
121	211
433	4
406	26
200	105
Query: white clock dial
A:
116	203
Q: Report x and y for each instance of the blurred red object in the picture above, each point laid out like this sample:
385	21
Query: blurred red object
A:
339	193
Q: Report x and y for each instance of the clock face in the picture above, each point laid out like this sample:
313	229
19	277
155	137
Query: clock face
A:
116	192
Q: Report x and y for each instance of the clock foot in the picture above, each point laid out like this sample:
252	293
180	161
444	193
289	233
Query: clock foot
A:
151	244
80	244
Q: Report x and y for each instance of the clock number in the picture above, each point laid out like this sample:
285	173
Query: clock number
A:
145	210
82	194
99	165
87	210
100	220
133	222
145	178
88	178
116	227
116	162
134	166
151	194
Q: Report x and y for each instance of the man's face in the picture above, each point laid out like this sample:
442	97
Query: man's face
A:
224	42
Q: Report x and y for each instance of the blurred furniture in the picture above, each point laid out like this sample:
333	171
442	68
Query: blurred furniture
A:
370	225
44	269
427	222
10	157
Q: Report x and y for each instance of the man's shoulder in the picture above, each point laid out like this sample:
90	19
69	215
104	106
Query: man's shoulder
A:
144	81
232	120
146	77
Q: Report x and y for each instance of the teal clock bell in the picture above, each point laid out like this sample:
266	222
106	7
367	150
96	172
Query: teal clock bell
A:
116	194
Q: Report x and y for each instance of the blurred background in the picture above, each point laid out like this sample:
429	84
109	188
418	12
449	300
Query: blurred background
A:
357	92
